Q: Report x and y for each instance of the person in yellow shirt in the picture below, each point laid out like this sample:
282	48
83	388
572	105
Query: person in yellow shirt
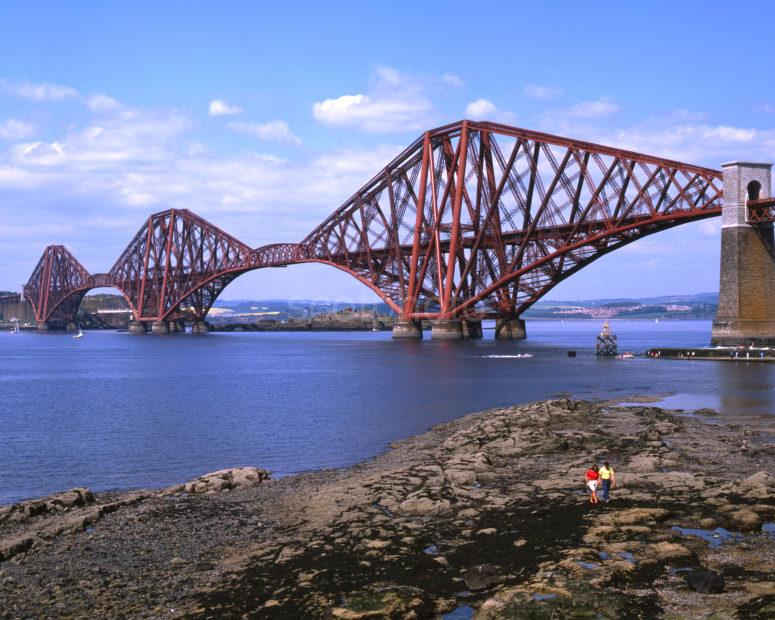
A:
607	479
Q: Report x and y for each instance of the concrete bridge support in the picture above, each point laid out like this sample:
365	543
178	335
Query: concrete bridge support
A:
177	326
510	329
447	329
137	327
200	327
746	310
472	330
407	330
160	327
43	326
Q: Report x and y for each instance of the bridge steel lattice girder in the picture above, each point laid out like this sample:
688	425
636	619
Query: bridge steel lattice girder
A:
473	217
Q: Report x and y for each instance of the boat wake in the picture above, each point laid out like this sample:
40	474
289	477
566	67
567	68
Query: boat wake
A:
517	356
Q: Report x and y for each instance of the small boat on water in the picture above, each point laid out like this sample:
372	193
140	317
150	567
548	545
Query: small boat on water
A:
15	329
627	355
79	334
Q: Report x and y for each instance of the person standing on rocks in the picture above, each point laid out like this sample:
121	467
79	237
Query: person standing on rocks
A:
607	479
592	477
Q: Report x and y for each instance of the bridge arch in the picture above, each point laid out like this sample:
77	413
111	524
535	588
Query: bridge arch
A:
753	190
213	286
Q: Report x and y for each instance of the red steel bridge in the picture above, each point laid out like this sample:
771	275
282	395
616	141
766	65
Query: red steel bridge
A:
472	220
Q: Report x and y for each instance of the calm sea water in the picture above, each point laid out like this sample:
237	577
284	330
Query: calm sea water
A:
116	410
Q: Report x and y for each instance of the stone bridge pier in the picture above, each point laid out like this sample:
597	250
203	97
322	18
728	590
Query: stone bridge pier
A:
746	309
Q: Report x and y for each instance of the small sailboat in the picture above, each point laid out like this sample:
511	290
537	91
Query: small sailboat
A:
15	329
79	334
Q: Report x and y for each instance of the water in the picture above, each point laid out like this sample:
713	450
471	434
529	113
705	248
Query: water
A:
714	538
464	612
117	411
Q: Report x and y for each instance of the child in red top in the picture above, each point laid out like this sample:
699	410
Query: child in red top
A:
592	477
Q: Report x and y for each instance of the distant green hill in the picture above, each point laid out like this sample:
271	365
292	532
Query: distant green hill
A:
699	306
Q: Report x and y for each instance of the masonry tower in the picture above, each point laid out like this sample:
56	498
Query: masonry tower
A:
746	309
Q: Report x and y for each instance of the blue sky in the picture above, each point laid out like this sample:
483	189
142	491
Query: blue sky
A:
264	117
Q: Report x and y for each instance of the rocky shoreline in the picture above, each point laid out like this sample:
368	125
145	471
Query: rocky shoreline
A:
483	517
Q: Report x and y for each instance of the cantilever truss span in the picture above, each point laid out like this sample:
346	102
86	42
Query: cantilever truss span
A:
473	218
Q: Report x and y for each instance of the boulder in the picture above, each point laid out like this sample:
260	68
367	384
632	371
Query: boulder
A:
679	481
668	550
11	546
552	484
424	506
500	446
644	463
59	502
760	477
223	479
460	476
705	581
481	577
744	519
761	588
635	516
760	485
71	498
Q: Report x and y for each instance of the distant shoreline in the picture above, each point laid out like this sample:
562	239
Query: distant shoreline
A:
385	326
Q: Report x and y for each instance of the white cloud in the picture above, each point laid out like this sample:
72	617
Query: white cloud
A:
221	108
390	76
102	103
542	93
128	136
484	109
45	92
586	120
480	108
397	102
373	114
710	227
731	134
14	178
696	143
593	109
274	131
42	91
12	129
128	160
453	80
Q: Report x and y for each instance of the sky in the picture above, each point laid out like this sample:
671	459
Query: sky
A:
264	117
